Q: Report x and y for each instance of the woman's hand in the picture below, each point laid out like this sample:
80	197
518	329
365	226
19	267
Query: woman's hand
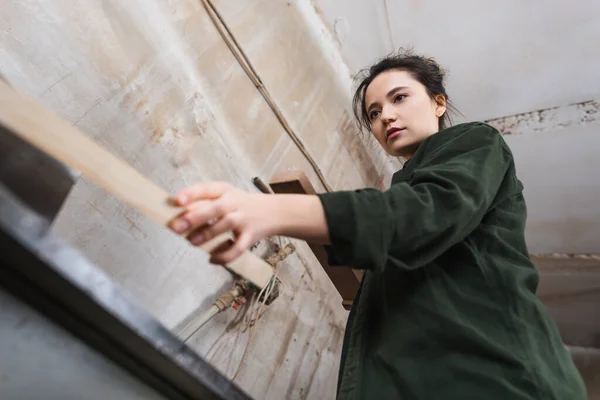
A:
213	208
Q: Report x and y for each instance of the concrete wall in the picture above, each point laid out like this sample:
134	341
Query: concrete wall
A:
154	82
559	169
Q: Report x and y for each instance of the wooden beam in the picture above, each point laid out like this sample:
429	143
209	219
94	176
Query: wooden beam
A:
43	129
345	279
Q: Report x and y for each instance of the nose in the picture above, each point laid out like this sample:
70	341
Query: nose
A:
388	115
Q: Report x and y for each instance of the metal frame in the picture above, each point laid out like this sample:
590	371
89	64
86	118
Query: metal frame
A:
40	268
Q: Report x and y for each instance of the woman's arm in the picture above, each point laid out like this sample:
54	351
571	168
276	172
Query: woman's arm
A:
408	225
250	216
415	221
301	217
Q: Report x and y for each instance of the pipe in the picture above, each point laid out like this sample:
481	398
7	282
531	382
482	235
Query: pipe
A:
205	317
222	303
584	354
235	296
281	254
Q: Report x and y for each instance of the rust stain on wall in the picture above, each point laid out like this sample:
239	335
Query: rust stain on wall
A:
299	363
548	119
93	207
283	348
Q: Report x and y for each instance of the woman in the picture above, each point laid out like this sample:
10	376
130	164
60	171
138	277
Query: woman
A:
447	308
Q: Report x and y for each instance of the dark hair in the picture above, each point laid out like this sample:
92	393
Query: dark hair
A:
423	69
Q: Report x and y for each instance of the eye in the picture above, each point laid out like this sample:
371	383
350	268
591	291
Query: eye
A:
399	97
373	114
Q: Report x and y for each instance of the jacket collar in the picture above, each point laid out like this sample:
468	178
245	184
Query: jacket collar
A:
427	146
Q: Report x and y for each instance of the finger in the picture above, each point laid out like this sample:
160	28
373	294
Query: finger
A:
205	233
207	213
182	225
201	191
241	244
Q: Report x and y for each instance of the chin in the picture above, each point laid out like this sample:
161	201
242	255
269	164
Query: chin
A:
398	149
402	149
395	153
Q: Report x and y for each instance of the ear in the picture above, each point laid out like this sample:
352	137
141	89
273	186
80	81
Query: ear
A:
440	105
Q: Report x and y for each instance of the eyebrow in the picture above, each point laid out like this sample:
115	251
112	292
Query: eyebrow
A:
391	92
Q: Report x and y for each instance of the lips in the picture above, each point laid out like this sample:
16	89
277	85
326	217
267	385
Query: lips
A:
393	132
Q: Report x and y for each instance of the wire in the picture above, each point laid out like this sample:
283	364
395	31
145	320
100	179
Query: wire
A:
256	309
244	61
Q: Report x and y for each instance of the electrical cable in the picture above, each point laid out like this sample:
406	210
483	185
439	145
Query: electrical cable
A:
239	54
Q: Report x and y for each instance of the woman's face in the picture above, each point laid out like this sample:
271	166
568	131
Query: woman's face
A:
401	112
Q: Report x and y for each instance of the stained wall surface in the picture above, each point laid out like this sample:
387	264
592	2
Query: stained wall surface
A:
155	83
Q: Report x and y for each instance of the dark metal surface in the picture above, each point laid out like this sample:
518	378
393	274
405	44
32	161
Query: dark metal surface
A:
40	268
34	177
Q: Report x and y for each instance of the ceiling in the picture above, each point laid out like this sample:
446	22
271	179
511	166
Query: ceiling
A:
530	68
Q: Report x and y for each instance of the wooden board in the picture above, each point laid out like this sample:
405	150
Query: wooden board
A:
43	129
345	279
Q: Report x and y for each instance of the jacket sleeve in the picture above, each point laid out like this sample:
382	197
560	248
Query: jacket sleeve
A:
416	221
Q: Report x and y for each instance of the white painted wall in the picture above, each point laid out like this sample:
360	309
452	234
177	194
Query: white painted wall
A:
560	170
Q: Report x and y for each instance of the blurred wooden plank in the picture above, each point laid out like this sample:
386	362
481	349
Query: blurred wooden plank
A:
29	120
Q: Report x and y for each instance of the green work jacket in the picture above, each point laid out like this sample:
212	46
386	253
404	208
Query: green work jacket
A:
447	308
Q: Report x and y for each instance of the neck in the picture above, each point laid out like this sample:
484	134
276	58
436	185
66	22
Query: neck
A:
408	153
